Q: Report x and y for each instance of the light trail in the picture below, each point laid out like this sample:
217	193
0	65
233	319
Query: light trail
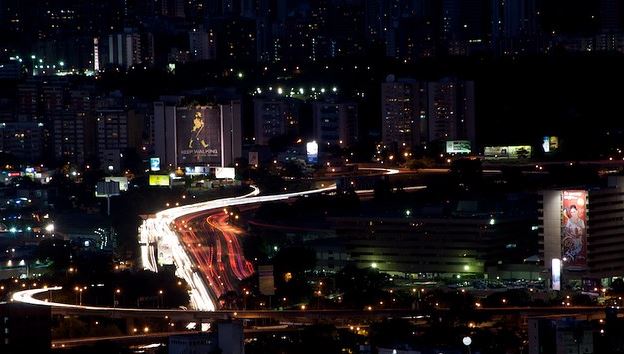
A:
158	233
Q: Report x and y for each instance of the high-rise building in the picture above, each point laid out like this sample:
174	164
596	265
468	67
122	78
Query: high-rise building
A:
74	128
23	140
335	123
275	116
125	49
582	228
451	115
118	129
515	26
235	38
417	112
202	44
610	13
400	113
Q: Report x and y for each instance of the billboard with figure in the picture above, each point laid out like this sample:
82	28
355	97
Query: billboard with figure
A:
198	131
574	229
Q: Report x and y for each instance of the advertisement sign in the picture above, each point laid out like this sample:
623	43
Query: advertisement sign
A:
159	180
225	172
196	170
123	182
165	253
550	143
556	274
266	280
154	163
507	152
199	135
574	229
458	147
312	152
107	189
253	158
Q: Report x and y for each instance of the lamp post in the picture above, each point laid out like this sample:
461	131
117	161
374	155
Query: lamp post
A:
79	293
115	293
160	296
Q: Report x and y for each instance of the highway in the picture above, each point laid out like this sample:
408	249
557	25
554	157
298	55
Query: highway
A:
210	260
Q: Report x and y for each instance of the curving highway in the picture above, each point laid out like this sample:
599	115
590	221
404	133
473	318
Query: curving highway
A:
210	258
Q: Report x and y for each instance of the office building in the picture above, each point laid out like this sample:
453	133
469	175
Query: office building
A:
335	123
275	116
401	112
583	229
202	44
451	110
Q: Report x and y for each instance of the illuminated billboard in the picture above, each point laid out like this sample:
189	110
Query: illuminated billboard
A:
225	172
198	135
574	228
123	182
507	152
312	151
154	163
159	180
555	277
550	143
458	147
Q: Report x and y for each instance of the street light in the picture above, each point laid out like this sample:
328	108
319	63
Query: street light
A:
467	341
160	295
115	293
79	293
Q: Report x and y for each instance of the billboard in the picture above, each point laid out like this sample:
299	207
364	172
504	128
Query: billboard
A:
266	280
159	180
555	277
312	152
550	143
507	152
458	147
154	163
123	182
253	158
107	189
225	172
574	229
198	132
196	170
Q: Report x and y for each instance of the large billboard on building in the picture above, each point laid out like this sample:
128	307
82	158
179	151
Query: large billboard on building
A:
507	152
199	135
458	147
574	229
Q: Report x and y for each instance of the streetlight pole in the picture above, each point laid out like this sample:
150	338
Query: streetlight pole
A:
115	293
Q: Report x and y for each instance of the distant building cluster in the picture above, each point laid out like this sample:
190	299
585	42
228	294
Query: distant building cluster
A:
416	112
93	35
